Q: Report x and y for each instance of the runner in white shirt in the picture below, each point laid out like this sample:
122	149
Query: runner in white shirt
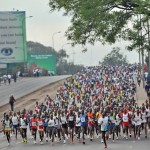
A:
117	124
57	125
51	128
148	116
23	126
137	121
125	123
143	117
78	126
64	127
15	123
103	121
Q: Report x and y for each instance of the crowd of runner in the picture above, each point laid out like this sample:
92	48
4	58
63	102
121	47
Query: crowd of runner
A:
98	102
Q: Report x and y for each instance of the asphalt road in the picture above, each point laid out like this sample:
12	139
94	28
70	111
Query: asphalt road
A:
121	144
25	86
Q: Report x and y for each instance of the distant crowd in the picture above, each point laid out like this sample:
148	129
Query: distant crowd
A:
7	78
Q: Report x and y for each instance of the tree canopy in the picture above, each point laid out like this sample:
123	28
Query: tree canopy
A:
115	57
99	20
38	47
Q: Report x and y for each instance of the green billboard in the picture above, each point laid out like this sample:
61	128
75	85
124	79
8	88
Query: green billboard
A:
12	37
42	60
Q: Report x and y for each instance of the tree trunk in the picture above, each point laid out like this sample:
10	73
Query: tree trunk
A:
139	60
142	53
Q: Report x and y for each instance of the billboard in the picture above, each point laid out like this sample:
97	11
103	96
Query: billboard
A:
12	37
42	60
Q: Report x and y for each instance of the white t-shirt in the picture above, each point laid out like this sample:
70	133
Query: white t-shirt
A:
146	74
137	120
51	123
148	112
15	120
143	116
104	123
125	117
118	120
77	122
9	76
23	123
63	120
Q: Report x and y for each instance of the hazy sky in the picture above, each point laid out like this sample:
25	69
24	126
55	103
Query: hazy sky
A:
41	27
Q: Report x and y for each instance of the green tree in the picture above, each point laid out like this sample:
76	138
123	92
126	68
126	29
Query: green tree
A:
38	47
114	58
138	34
99	20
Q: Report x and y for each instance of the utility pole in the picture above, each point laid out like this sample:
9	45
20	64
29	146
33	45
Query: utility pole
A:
73	54
53	42
139	51
142	52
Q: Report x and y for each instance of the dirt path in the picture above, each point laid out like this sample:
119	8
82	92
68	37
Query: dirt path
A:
29	100
141	95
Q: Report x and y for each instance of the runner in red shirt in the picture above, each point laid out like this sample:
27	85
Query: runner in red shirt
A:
34	127
40	123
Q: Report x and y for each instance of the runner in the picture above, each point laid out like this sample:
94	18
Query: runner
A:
117	124
137	121
51	128
34	127
125	123
3	125
40	123
30	116
103	121
91	124
112	125
23	126
148	115
78	126
15	122
143	121
7	128
57	119
64	127
71	118
84	120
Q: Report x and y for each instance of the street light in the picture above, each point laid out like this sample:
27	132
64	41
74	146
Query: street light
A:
64	45
53	38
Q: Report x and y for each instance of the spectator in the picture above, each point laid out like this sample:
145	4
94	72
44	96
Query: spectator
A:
11	102
9	78
5	78
15	77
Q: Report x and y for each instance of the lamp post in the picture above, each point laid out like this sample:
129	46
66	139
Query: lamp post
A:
53	38
64	45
